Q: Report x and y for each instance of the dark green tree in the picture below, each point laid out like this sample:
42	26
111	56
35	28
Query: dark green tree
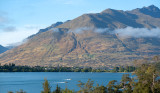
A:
115	69
58	89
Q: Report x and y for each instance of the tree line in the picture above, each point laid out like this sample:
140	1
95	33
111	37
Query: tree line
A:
13	68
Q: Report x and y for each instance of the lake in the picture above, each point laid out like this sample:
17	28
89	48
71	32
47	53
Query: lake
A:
31	82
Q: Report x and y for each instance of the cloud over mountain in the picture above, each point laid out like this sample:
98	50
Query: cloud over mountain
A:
138	32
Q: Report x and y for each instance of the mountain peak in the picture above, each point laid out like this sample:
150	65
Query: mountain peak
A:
107	10
151	10
111	11
153	6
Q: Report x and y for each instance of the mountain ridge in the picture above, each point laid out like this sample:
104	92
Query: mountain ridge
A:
93	20
2	49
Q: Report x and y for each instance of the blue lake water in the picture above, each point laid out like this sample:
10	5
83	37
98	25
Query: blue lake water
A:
31	82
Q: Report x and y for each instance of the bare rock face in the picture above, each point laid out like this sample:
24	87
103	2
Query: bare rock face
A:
82	41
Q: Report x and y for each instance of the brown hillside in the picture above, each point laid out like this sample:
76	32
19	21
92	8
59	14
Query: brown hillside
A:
68	44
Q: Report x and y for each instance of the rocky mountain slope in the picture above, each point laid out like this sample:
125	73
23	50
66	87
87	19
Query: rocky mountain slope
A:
90	40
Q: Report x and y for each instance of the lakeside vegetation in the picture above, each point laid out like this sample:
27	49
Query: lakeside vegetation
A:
13	68
146	80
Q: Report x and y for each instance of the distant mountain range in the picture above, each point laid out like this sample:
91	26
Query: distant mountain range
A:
90	40
2	49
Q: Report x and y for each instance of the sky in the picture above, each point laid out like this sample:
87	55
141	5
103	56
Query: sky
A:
22	18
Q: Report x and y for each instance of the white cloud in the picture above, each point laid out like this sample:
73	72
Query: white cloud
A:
9	28
7	38
4	19
124	32
101	30
138	32
83	29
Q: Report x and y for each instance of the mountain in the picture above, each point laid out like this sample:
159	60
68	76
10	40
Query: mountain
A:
2	49
46	29
90	40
